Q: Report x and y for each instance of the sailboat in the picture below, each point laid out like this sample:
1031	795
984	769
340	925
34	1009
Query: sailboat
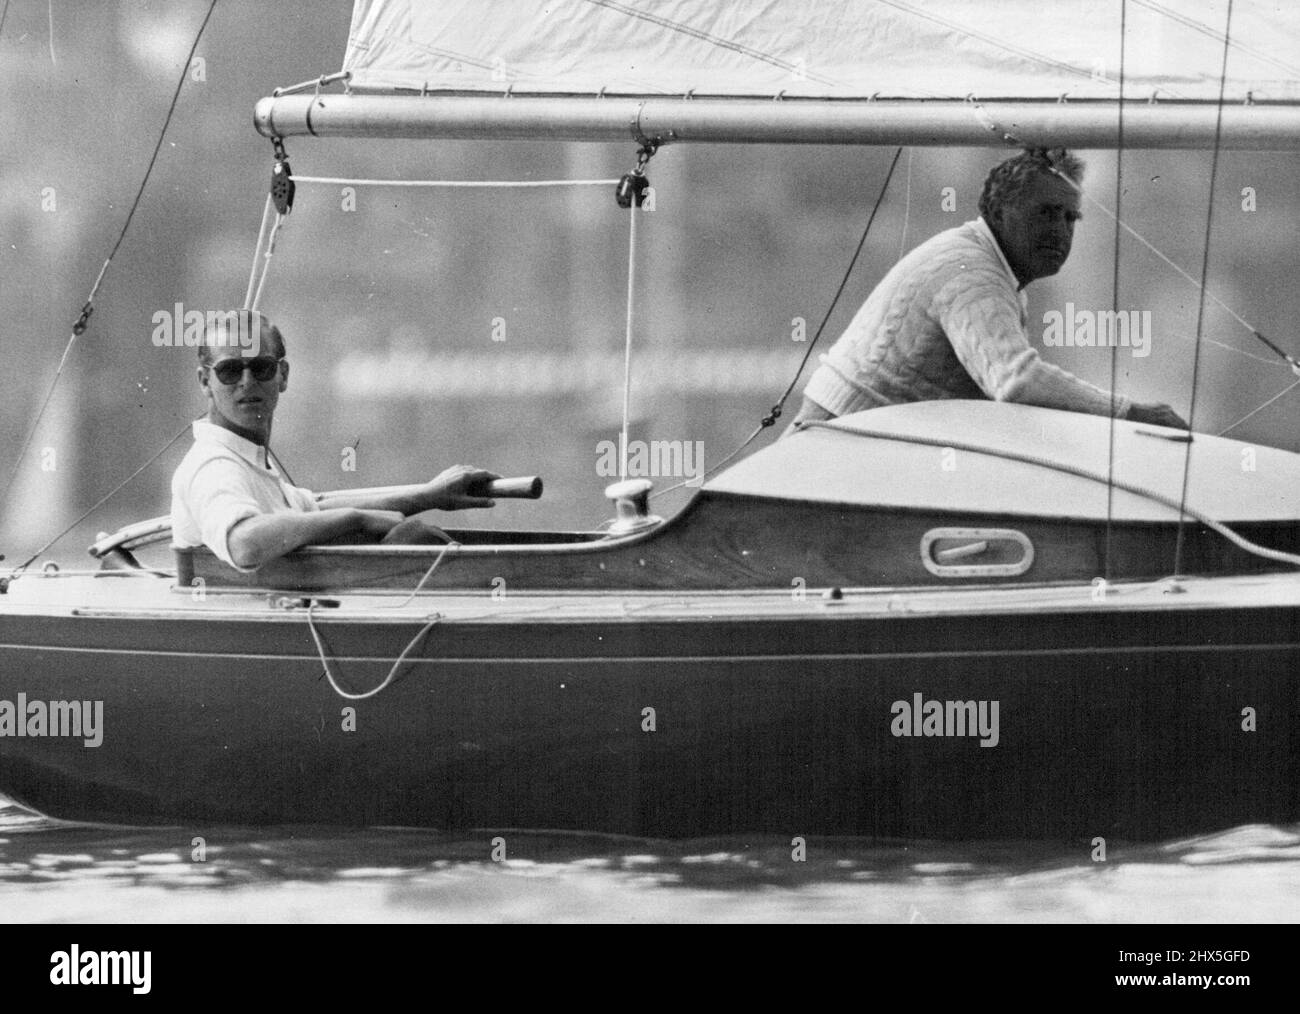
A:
945	619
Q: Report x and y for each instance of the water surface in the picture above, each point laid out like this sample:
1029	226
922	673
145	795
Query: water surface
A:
59	872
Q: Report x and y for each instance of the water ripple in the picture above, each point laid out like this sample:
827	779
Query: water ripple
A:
56	871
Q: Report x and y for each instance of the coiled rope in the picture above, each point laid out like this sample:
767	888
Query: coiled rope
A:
422	633
434	619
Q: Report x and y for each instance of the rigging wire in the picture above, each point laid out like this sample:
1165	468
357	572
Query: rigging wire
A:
907	206
88	307
1290	360
257	279
1205	268
261	238
1114	294
633	209
1286	390
775	413
17	572
266	260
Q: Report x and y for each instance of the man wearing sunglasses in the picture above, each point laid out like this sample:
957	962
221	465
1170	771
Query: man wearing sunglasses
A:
227	494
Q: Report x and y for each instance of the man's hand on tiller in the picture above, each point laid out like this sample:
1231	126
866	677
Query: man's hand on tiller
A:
450	490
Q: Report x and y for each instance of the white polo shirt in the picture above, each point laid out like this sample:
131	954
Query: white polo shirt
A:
222	480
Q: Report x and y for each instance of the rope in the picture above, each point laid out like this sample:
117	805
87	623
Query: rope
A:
266	260
759	430
1285	390
424	631
320	650
101	501
427	574
1114	290
1205	269
338	181
1084	473
907	205
257	281
745	443
257	252
89	306
1291	361
775	414
627	342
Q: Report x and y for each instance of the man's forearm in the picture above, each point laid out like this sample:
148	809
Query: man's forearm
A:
256	540
407	499
1035	382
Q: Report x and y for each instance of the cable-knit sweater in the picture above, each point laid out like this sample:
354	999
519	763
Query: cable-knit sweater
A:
948	321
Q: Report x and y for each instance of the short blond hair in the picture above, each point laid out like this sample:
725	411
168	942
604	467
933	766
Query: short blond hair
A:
217	332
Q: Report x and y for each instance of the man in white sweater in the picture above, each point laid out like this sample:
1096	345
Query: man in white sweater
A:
948	321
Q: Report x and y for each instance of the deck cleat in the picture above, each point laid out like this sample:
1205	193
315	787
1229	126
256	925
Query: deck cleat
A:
632	506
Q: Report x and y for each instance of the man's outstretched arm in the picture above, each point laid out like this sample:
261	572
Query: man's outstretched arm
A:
984	328
448	491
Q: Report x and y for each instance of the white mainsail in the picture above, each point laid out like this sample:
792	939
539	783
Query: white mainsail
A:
827	49
915	72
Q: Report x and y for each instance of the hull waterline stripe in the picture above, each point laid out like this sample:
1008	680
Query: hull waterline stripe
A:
573	659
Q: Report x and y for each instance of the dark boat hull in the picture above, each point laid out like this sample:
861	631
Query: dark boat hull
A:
771	719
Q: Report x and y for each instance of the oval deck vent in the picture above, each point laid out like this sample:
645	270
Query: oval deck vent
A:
976	552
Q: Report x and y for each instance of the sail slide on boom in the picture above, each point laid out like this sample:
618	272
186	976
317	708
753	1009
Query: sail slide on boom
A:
942	73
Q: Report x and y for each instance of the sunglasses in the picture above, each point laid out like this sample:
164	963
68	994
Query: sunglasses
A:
230	371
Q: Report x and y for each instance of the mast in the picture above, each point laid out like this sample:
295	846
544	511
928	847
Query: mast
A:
920	123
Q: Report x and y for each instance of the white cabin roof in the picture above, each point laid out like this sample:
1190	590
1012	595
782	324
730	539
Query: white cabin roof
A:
851	466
